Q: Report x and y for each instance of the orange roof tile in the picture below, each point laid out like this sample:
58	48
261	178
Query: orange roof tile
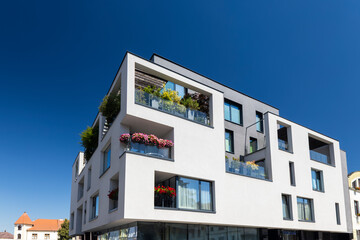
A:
46	225
24	219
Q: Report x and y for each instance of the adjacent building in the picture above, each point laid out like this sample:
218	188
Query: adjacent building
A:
6	236
40	229
354	191
187	157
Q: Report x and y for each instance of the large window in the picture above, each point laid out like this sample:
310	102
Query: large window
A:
317	180
305	209
229	141
233	112
286	206
175	87
106	159
194	194
94	207
259	122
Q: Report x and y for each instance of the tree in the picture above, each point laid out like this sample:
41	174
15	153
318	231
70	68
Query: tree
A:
63	232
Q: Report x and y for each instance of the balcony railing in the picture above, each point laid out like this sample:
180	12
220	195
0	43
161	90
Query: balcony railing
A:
242	168
283	145
319	157
150	150
170	107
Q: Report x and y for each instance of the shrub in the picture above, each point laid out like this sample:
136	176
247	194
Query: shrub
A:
89	140
110	106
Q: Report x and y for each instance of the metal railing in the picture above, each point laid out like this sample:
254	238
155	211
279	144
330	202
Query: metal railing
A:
242	168
170	107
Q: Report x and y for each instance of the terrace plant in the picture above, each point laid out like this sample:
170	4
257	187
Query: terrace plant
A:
110	106
89	140
188	102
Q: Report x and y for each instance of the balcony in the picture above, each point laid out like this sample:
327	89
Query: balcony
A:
249	168
170	107
320	150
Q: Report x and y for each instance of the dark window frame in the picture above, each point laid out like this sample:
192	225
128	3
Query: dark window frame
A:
232	103
232	141
260	122
318	173
292	173
289	205
337	212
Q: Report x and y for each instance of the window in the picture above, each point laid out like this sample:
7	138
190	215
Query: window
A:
19	227
19	236
76	169
81	189
106	159
94	207
194	194
337	211
89	179
286	206
353	184
319	150
259	122
253	145
283	137
229	141
85	204
233	112
292	174
356	207
175	87
34	236
47	236
305	209
72	217
317	180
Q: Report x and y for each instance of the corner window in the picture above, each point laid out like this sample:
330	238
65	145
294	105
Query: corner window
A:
229	141
253	145
94	207
259	122
233	112
106	158
292	174
337	211
317	180
305	209
286	206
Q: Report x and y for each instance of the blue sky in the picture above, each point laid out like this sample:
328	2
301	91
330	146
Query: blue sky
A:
58	59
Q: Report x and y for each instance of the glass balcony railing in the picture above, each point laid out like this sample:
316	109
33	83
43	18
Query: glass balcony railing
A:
319	157
246	169
283	145
170	107
150	150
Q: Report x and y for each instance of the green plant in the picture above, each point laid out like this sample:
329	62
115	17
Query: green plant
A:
89	140
188	102
63	232
151	89
171	95
110	106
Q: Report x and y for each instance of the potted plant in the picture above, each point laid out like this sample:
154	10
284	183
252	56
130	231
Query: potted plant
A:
164	196
110	106
89	140
114	194
125	138
154	94
152	144
191	105
138	141
164	147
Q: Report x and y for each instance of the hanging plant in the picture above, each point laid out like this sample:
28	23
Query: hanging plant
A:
89	140
114	194
110	106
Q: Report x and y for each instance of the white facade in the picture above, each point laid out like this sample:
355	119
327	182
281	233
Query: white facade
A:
354	191
198	153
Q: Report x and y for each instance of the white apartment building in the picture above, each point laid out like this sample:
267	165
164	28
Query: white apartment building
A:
354	191
40	229
236	169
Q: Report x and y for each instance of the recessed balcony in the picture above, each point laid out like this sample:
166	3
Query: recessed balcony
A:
255	169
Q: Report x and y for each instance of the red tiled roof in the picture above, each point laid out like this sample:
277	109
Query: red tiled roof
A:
46	225
24	219
6	235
